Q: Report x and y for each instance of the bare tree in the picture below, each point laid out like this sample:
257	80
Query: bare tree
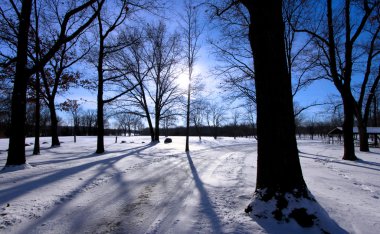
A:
215	116
337	39
164	51
108	44
16	153
73	107
36	149
88	122
235	55
197	115
191	30
278	168
135	60
168	120
235	122
127	121
69	29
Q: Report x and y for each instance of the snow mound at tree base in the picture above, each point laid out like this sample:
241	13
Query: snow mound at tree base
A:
291	213
10	168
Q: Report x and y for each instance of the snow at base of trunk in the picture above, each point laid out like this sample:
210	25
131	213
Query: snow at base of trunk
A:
294	214
10	168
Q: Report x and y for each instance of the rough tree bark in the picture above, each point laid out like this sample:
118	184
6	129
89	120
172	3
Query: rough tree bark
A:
36	149
54	126
278	168
100	102
16	153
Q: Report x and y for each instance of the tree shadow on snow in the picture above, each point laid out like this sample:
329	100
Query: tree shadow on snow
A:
79	222
205	202
328	159
55	176
301	215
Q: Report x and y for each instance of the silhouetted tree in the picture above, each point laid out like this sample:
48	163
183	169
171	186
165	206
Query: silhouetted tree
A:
68	30
338	40
72	106
215	116
191	30
163	55
278	166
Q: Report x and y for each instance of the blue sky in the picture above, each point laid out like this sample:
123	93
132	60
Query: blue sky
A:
316	92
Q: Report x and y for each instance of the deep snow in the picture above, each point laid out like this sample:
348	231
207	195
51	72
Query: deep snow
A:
137	187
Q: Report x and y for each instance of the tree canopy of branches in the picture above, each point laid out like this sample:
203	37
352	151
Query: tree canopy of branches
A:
345	45
69	28
72	107
191	29
153	62
278	167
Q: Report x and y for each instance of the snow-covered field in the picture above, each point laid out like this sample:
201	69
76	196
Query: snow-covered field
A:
137	187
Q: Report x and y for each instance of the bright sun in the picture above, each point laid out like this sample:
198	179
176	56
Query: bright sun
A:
183	80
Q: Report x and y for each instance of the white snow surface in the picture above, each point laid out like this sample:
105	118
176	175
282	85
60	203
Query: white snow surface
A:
138	187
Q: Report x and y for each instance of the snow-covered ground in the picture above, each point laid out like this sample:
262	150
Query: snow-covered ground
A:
137	187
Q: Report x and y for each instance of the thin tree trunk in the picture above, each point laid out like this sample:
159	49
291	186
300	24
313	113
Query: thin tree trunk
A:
198	132
157	126
16	153
36	149
278	168
187	148
375	118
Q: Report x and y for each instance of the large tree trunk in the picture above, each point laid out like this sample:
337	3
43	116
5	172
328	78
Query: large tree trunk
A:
150	125
54	125
363	135
100	101
100	114
348	133
16	153
278	168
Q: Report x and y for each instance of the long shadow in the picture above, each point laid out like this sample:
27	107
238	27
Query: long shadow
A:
21	189
205	200
354	164
123	192
86	155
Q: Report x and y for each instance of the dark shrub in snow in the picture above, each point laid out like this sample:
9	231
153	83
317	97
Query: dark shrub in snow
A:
168	140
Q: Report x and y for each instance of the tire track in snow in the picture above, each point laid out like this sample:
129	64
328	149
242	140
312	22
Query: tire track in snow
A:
179	200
